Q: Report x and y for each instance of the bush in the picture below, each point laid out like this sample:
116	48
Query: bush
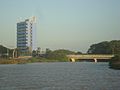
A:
115	62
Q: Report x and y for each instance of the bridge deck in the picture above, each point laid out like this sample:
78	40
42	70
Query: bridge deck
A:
92	56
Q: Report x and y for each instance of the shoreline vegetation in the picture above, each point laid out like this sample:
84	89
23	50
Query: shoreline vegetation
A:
30	60
115	62
115	66
105	47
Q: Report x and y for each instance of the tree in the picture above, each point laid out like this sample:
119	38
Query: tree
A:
58	54
38	51
115	46
48	51
34	53
77	53
112	47
115	62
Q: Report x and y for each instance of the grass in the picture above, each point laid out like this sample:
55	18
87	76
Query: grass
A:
30	60
7	61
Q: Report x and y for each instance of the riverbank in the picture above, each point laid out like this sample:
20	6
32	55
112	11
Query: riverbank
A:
112	64
115	65
7	61
115	62
30	60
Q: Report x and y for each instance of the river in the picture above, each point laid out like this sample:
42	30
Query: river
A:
59	76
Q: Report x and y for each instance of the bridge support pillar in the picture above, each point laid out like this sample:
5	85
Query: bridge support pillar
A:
95	60
72	60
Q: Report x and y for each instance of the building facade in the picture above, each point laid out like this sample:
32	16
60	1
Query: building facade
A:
26	41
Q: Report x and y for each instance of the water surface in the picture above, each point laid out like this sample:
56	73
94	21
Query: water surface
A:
59	76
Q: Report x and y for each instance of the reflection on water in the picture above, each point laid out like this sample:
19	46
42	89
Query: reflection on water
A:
59	76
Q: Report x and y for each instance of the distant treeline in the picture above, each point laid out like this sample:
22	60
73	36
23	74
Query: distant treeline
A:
108	47
58	55
105	47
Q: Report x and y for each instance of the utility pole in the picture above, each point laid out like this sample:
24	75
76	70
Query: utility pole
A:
7	52
13	53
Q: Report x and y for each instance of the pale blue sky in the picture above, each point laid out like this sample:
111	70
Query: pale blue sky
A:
66	24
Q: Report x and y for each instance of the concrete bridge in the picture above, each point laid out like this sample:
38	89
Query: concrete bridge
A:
95	57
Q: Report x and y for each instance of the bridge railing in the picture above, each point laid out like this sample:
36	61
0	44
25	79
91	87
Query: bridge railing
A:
90	56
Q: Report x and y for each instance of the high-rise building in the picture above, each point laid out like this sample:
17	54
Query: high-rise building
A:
26	42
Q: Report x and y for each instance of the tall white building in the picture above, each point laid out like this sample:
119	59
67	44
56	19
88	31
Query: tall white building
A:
26	42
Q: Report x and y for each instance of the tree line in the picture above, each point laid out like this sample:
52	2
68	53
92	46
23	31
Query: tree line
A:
54	55
105	47
108	47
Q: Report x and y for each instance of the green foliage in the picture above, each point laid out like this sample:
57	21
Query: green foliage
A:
115	62
32	60
115	58
34	53
112	47
48	51
77	53
52	56
115	46
58	54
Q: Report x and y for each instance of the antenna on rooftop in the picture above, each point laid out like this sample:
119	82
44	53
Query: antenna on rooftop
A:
19	19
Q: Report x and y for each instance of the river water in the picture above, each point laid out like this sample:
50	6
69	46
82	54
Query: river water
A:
59	76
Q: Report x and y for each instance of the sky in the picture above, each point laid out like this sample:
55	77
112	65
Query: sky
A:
62	24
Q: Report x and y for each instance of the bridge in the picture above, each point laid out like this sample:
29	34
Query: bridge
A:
94	57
